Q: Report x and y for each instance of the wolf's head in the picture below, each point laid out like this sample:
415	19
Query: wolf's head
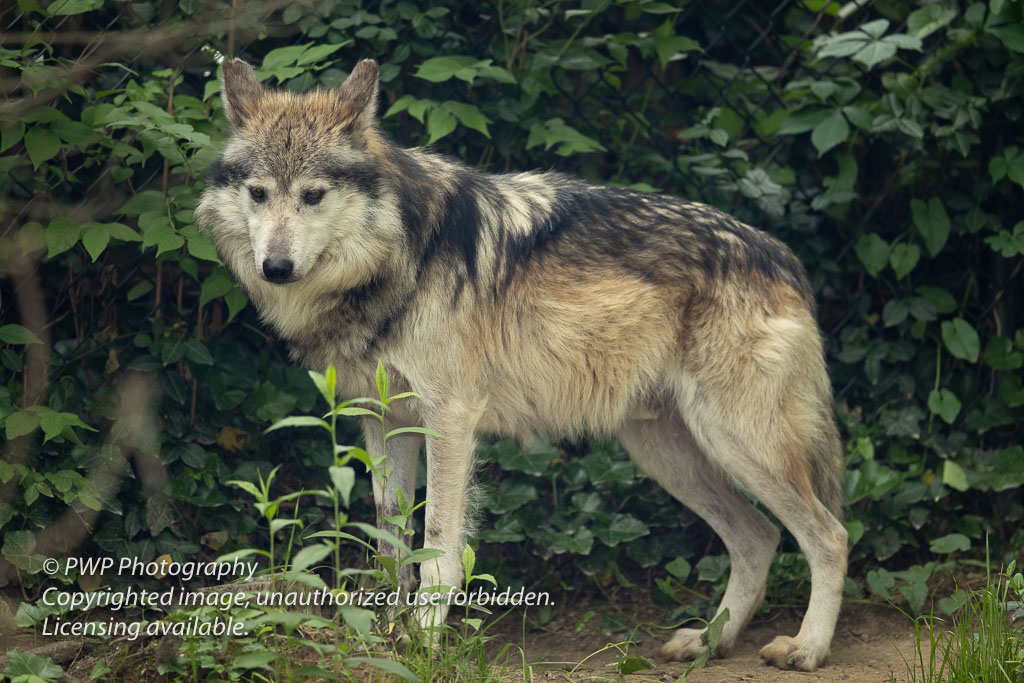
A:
298	181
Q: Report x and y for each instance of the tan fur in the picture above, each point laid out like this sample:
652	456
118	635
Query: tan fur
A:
534	303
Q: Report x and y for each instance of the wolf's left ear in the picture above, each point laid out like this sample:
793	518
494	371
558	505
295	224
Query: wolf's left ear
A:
240	92
359	91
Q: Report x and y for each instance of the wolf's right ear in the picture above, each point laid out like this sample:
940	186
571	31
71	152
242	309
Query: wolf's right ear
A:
359	92
240	92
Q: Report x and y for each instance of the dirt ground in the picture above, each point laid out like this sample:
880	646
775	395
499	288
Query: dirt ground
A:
866	648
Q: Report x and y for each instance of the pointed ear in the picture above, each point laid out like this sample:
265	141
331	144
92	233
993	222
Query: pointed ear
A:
240	92
359	92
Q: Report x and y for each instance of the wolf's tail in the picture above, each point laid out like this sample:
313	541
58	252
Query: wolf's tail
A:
827	465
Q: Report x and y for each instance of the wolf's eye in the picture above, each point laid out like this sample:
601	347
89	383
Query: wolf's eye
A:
313	196
257	194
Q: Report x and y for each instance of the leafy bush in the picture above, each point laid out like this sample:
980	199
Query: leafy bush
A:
884	143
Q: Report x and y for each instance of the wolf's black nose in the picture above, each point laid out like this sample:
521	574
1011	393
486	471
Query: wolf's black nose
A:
278	269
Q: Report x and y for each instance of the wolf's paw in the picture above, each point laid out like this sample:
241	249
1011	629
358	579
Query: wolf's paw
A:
792	653
685	644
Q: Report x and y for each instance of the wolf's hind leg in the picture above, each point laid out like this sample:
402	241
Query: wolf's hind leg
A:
765	457
665	449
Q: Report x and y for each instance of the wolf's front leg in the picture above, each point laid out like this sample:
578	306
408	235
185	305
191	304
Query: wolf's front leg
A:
449	469
397	473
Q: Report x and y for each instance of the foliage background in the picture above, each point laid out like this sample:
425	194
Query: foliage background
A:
882	140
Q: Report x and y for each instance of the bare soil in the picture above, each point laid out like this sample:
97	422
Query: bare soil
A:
867	647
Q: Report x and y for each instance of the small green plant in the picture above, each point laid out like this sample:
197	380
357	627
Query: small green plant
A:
463	652
985	641
25	667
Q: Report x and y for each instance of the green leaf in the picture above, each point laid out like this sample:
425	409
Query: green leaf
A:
283	56
713	635
61	235
942	300
512	495
200	244
382	535
623	528
317	53
1000	355
20	423
422	555
259	659
298	421
903	258
945	404
321	385
668	47
216	285
469	116
803	121
440	122
440	69
858	116
381	377
68	7
873	53
25	667
1011	35
950	543
413	430
120	231
873	252
16	334
954	476
19	547
52	424
360	620
903	41
631	663
830	132
997	168
678	568
400	105
343	479
653	8
236	301
157	230
895	311
843	45
1008	245
932	221
556	132
95	239
42	144
309	556
144	202
388	666
881	582
927	20
961	339
468	559
354	411
197	352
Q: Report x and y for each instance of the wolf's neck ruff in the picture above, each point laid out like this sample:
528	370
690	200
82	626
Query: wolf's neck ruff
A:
536	302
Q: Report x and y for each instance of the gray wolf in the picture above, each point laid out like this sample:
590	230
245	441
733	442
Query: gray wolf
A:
538	303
